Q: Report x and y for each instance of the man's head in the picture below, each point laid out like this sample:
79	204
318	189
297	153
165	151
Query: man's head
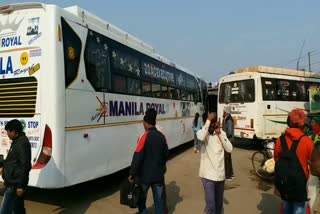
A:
13	128
296	118
226	111
149	119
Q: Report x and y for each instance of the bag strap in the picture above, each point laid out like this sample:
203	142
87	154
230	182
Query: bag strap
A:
284	144
295	144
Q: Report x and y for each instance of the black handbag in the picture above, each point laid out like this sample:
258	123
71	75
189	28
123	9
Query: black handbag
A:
130	193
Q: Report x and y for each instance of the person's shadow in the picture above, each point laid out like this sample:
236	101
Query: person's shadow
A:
269	204
173	197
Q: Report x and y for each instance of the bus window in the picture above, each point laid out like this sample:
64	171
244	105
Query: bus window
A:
164	92
96	60
71	49
146	89
119	84
237	91
184	95
268	89
156	90
283	90
134	86
298	91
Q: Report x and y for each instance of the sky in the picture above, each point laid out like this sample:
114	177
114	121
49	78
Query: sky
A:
212	38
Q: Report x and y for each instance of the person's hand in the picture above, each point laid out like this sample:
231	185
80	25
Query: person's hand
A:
20	192
130	179
217	129
211	116
1	170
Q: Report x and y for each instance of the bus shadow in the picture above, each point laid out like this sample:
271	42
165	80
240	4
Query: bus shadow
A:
78	198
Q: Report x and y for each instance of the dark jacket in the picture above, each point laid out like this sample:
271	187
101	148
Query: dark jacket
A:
150	157
228	127
17	165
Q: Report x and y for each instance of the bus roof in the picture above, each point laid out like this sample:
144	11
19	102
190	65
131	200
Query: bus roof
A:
281	71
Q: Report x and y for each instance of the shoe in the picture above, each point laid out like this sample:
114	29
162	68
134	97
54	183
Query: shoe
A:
228	179
195	150
198	151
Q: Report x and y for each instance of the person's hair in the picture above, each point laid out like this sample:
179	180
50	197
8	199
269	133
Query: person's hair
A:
150	116
195	121
204	117
14	125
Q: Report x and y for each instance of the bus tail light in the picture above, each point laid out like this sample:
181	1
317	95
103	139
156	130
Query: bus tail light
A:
46	150
251	123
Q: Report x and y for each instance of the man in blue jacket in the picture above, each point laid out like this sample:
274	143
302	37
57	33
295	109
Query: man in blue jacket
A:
149	163
15	169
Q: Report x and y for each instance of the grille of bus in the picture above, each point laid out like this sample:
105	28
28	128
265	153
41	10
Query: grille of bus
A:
18	97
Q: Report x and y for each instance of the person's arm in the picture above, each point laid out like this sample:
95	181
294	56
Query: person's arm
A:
138	156
24	155
277	150
203	133
226	144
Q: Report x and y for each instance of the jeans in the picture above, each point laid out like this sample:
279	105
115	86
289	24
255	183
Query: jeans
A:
213	191
196	141
157	190
11	203
294	207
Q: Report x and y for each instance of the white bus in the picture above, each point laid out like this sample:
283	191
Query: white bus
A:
261	97
81	86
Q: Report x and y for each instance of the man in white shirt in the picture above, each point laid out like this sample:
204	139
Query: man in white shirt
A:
212	172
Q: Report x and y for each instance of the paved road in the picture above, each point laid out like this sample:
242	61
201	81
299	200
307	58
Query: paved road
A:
245	194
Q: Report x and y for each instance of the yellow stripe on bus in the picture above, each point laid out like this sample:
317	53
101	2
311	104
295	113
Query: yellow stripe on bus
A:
19	49
17	92
3	89
274	115
76	128
17	83
9	101
1	97
28	104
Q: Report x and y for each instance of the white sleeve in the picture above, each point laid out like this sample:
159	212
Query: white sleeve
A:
203	133
227	145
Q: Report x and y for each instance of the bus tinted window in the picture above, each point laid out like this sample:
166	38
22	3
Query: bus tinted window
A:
125	62
96	60
71	49
134	86
283	90
119	84
146	88
156	90
237	91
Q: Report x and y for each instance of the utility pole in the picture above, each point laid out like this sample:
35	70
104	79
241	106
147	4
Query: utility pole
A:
309	61
304	41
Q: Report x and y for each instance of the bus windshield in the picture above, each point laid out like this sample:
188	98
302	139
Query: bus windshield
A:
237	91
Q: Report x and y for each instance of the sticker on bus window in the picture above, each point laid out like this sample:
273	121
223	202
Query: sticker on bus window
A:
33	26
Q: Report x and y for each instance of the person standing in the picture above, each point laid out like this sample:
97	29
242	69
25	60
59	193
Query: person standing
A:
214	142
292	153
228	128
149	163
15	169
196	125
